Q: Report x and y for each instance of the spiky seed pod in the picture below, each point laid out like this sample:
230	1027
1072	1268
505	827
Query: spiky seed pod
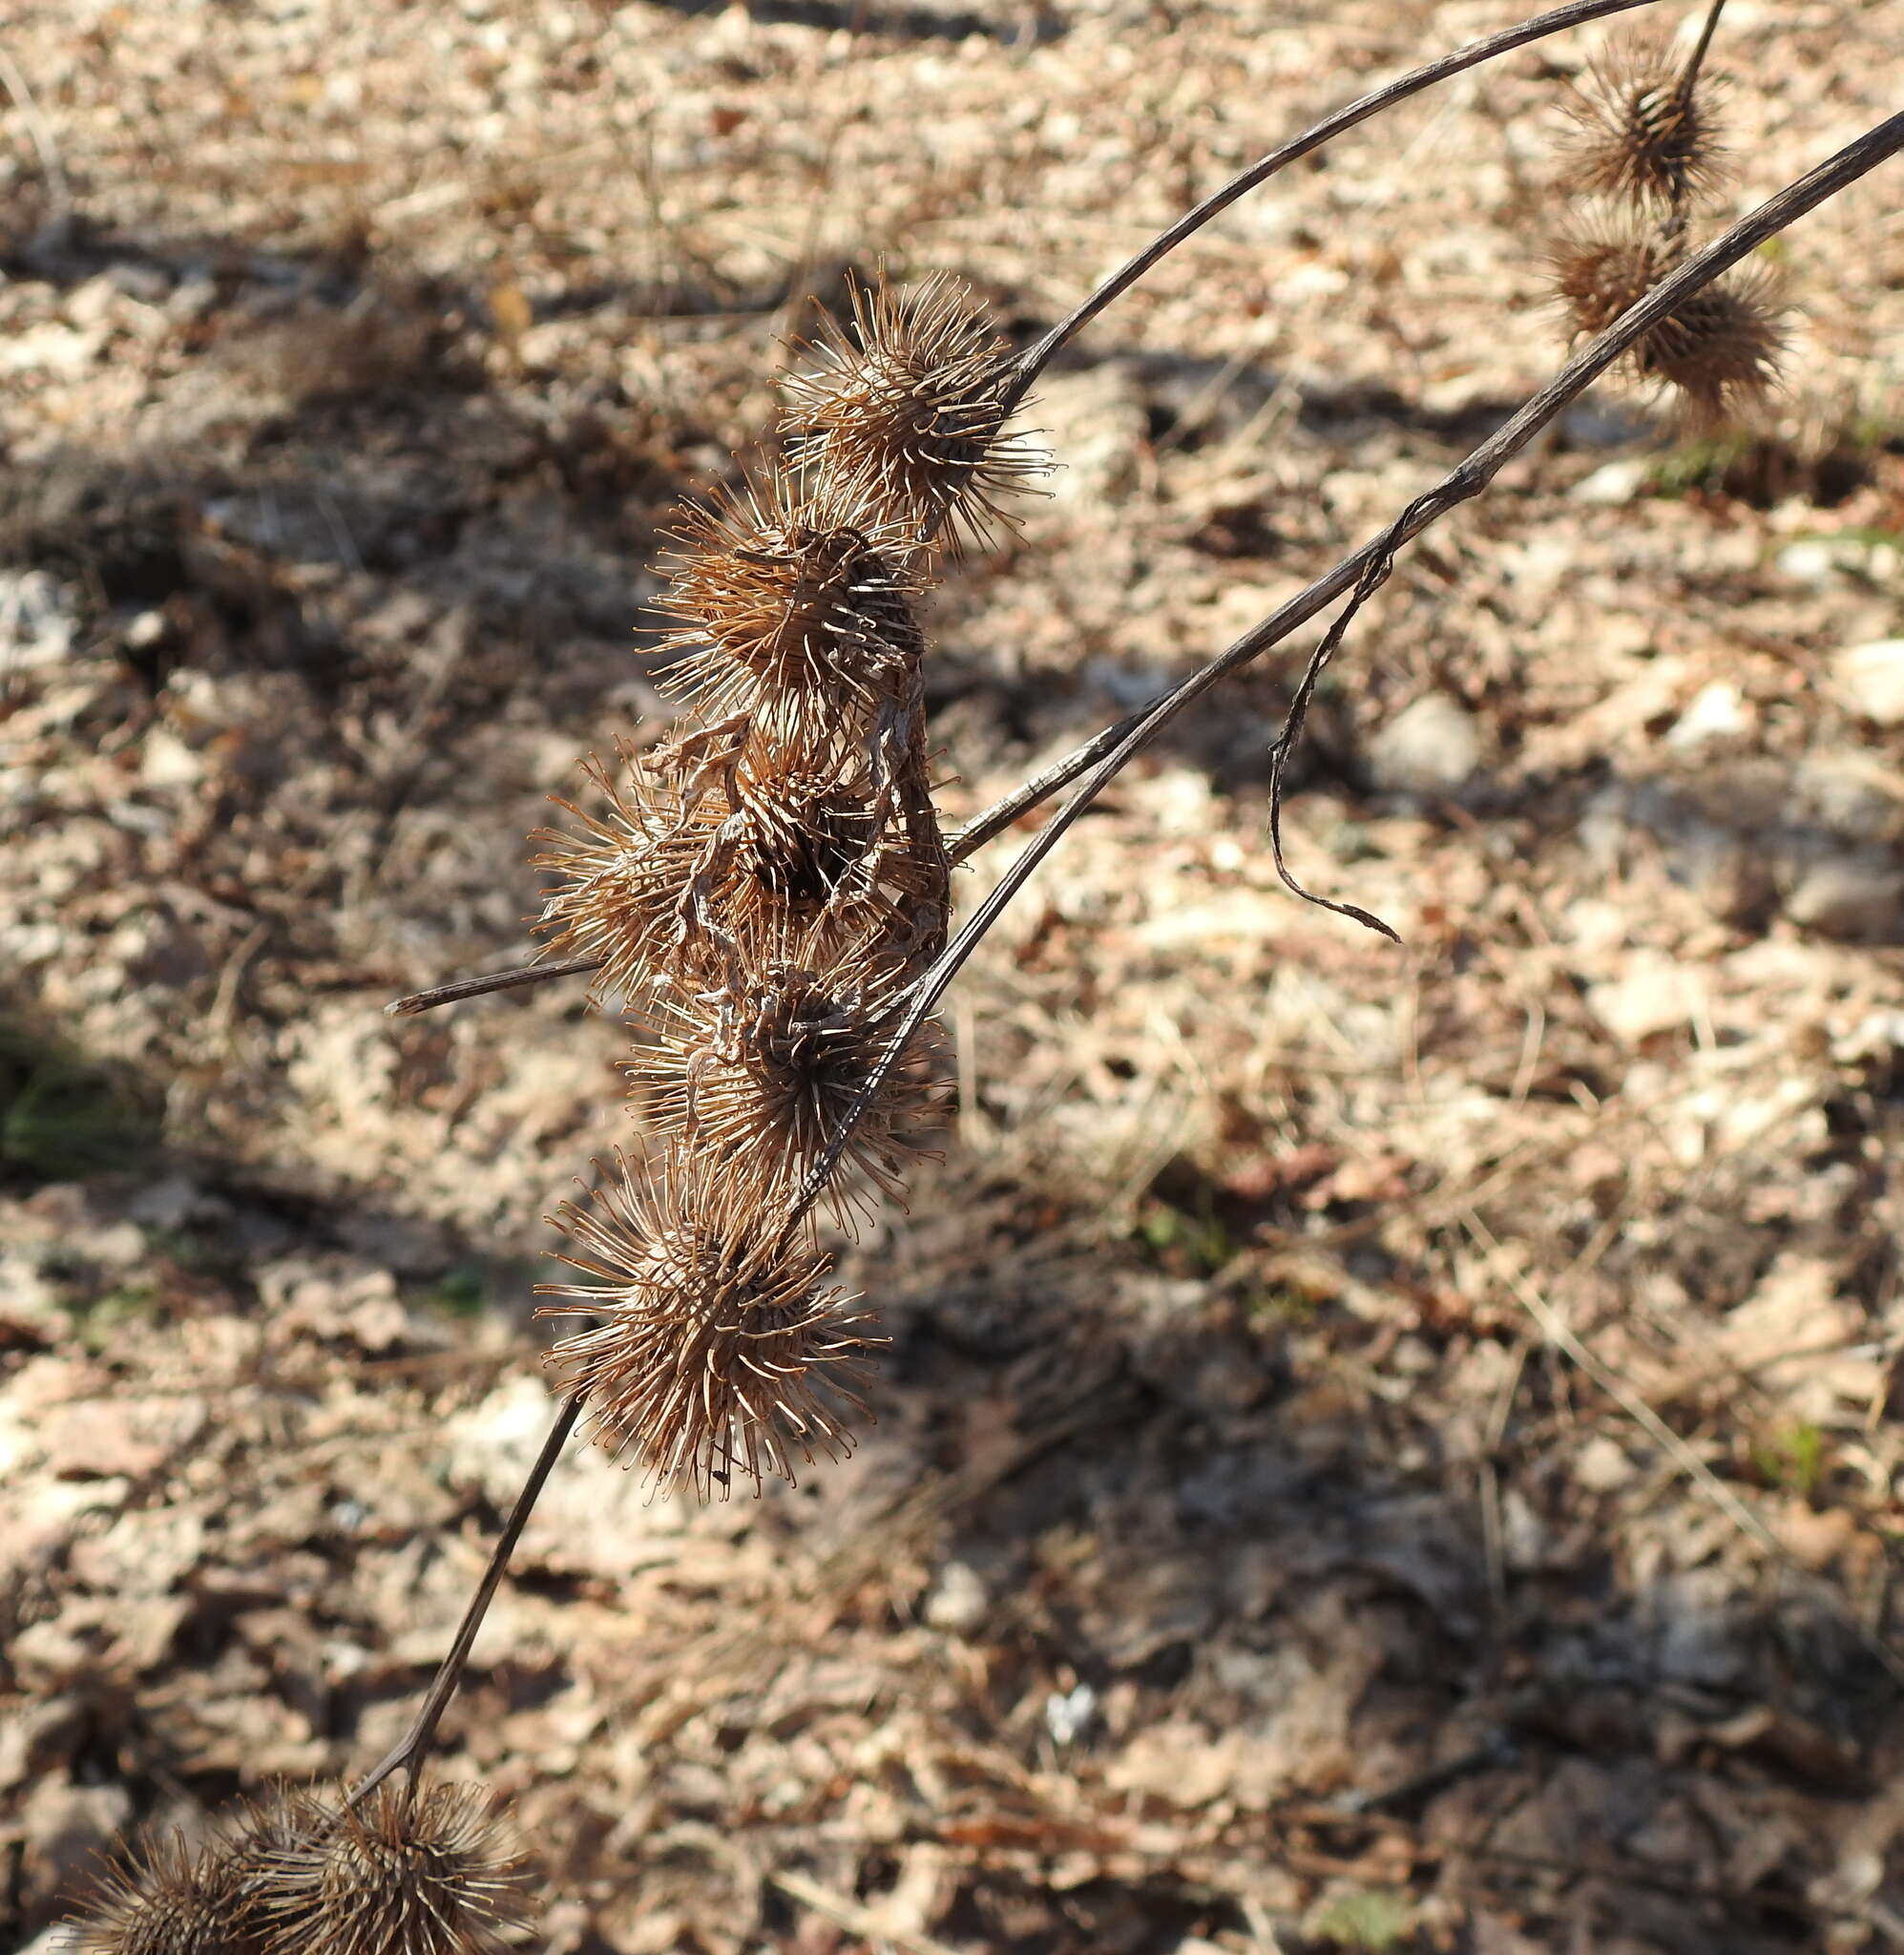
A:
1719	349
906	412
717	1350
414	1871
1601	271
669	869
1641	136
759	1079
808	857
267	1837
797	608
620	878
159	1896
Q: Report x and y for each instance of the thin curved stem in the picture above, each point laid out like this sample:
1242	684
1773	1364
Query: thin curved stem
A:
1690	80
1030	363
410	1752
1026	796
1362	571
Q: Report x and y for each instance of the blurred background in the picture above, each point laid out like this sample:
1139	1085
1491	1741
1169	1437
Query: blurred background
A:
1381	1449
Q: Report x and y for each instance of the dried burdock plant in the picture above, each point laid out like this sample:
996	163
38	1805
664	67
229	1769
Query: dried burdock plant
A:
159	1895
1720	349
413	1870
759	1079
906	412
1644	142
1644	127
421	1871
796	603
667	871
1603	270
770	885
719	1350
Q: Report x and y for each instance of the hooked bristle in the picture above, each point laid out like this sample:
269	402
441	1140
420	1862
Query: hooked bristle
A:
796	601
1643	133
906	413
758	1079
717	1351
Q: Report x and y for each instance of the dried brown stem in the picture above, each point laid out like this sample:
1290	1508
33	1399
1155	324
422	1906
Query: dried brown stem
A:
1690	80
1361	572
1032	363
461	988
1688	83
410	1752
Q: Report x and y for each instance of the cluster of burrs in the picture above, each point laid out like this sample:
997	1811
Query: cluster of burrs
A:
759	891
411	1870
1643	158
765	892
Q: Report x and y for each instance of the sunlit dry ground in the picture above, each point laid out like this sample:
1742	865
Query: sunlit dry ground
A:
1384	1449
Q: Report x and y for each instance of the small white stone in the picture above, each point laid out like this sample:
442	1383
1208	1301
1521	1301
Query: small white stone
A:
1611	486
168	761
959	1600
1067	1713
1717	712
1813	561
39	623
30	943
1602	1467
91	302
1429	747
1872	678
1653	993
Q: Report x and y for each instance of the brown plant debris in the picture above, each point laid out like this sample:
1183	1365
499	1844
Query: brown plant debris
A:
1642	131
796	601
716	1349
907	412
416	1871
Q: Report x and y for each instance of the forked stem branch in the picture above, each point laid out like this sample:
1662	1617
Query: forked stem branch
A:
1029	364
1362	571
